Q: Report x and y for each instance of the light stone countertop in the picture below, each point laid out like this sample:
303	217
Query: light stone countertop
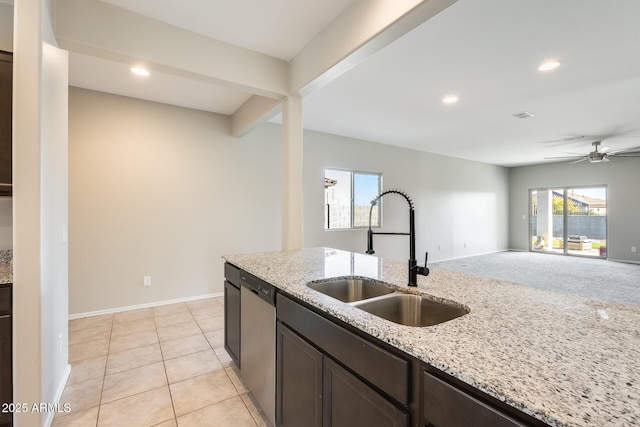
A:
6	266
564	359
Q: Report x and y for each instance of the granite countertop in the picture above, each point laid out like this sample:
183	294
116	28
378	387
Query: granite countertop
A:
564	359
6	266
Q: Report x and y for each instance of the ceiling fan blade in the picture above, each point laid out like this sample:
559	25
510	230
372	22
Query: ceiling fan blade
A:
626	154
604	149
578	161
566	157
624	150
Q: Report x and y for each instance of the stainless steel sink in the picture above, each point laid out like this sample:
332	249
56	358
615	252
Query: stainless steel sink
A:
412	310
388	303
350	289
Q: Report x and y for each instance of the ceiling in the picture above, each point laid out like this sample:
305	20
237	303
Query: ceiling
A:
487	53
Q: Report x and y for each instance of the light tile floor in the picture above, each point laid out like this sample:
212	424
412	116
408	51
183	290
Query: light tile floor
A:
163	366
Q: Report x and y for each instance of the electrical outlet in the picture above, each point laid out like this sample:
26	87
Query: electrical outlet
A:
146	281
633	249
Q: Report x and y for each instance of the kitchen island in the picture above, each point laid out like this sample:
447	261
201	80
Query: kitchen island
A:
562	359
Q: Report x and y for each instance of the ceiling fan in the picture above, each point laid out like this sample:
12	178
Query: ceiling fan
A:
600	155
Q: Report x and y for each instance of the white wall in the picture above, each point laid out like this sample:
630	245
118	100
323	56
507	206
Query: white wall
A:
55	213
39	210
620	175
461	206
162	191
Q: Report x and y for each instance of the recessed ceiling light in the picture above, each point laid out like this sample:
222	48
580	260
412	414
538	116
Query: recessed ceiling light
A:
140	71
450	99
549	65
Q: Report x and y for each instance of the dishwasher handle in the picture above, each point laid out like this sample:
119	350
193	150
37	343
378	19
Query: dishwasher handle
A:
262	289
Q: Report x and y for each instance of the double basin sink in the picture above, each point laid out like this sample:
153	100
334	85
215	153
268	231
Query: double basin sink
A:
388	303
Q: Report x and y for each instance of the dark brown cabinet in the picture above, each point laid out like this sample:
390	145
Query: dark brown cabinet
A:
299	379
328	376
446	406
6	89
6	382
232	312
350	402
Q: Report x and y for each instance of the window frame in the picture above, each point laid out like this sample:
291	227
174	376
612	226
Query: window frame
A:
352	174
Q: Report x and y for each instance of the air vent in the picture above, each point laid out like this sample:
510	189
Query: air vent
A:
524	115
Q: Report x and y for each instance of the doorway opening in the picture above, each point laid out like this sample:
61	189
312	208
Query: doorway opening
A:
569	221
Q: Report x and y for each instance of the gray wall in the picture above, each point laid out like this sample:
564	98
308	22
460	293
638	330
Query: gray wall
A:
461	206
162	191
6	205
6	27
620	175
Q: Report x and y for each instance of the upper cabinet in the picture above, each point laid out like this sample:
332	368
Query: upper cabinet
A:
6	89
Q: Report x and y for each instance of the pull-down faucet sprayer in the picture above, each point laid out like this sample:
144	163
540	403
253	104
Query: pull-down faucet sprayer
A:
414	269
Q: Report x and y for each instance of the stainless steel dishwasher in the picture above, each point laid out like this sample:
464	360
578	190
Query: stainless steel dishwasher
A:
258	341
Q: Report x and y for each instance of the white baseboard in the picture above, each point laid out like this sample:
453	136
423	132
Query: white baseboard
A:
138	306
628	261
471	256
56	401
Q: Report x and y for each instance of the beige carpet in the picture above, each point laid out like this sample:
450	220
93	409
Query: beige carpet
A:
588	277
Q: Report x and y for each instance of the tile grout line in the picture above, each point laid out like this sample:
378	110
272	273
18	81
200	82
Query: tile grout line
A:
164	366
246	391
202	333
217	403
104	375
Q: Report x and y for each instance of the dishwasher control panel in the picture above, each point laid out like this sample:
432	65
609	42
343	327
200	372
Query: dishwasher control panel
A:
258	286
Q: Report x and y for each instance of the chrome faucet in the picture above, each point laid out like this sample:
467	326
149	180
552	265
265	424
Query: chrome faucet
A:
414	269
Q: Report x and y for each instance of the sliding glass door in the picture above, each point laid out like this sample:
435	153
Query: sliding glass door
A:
569	221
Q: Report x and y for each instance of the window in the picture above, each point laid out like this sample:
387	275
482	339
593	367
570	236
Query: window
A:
347	199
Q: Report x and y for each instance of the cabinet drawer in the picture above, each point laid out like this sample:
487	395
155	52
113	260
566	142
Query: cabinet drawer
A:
381	368
446	406
5	300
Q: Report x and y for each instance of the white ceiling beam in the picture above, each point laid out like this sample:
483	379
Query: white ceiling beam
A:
99	29
360	31
254	112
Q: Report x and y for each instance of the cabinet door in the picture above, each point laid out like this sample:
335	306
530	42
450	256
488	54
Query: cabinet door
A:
446	406
299	381
232	321
6	385
348	402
